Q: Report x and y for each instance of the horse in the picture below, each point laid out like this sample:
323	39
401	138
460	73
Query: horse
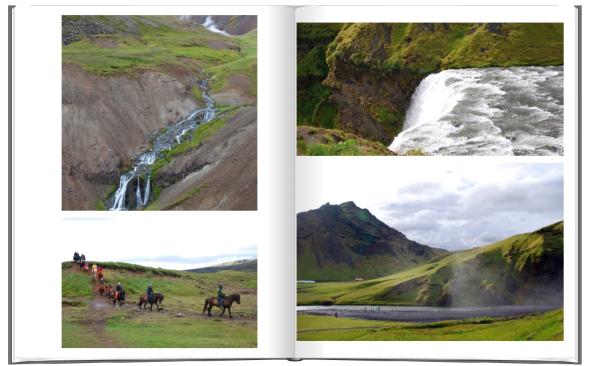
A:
228	300
119	298
109	292
156	299
101	289
100	276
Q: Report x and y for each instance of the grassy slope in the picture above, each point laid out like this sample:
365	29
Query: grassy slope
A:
160	42
457	45
482	271
319	141
539	327
184	292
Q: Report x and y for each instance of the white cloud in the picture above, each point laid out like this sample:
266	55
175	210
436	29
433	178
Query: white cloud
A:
452	203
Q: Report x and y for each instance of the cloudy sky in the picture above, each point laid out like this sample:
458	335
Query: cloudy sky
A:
171	240
455	205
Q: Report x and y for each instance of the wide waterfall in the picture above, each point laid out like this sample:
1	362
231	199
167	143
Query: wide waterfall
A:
135	184
488	111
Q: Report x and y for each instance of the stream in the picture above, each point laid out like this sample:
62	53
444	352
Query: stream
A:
134	189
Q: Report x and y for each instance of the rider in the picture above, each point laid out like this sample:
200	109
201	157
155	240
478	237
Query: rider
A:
221	296
82	258
149	292
76	257
120	289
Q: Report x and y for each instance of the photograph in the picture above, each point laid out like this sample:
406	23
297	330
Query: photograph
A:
430	89
118	299
456	252
159	112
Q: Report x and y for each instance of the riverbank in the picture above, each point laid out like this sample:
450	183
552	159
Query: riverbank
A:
547	326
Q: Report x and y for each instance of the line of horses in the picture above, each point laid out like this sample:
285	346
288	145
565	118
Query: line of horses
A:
118	297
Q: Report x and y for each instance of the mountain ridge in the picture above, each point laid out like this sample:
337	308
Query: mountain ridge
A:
340	242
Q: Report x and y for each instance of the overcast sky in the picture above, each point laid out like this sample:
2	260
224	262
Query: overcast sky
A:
455	205
183	240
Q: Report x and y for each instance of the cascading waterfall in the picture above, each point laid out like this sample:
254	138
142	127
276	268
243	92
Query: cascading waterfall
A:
488	111
141	168
209	23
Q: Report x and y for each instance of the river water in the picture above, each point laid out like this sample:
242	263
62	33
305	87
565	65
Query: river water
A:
488	111
423	313
136	181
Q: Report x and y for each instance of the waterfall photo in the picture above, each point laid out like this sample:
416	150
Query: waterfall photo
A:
159	112
421	251
116	297
430	89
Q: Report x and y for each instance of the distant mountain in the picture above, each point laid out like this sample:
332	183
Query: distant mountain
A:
345	242
242	265
522	269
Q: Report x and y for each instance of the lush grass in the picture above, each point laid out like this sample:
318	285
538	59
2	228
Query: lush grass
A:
539	327
182	332
321	142
476	276
180	325
160	42
75	284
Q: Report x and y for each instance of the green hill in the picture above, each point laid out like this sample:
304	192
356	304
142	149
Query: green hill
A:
524	268
344	242
90	319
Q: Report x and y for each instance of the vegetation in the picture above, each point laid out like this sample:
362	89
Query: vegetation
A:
319	141
157	42
180	324
491	274
538	327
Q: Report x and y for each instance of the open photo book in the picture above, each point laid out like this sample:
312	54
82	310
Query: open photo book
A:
388	182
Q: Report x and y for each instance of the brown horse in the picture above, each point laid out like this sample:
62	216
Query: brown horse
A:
228	300
119	298
101	289
156	299
109	292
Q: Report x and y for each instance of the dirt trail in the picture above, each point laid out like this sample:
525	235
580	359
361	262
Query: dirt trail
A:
99	311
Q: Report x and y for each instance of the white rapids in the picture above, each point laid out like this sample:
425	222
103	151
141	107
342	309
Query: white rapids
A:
488	111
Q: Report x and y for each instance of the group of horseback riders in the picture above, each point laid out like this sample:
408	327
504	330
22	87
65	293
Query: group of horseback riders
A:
118	295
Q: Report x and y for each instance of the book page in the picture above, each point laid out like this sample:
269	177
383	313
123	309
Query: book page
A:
153	182
436	193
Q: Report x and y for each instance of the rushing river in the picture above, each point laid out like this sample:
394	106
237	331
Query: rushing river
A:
423	313
134	185
488	111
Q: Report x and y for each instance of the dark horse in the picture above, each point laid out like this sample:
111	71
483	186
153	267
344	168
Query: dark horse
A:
119	298
228	300
156	299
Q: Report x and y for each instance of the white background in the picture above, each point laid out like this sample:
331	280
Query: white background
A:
282	137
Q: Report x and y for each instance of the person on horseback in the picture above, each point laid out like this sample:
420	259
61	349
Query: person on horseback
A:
119	288
76	257
221	296
82	258
150	293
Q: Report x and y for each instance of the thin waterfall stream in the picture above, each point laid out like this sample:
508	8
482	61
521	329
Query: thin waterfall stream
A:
138	178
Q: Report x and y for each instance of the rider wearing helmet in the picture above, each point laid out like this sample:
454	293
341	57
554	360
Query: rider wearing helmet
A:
120	289
221	296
